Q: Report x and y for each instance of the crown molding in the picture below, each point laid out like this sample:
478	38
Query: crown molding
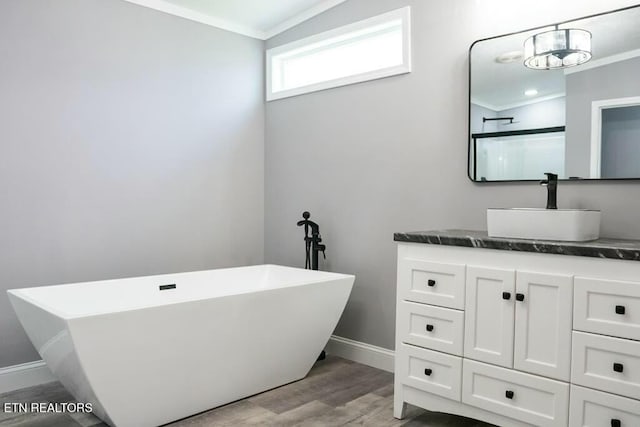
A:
532	101
192	15
501	108
301	17
223	24
486	105
607	60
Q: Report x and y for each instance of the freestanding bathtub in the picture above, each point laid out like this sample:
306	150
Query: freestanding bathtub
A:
149	350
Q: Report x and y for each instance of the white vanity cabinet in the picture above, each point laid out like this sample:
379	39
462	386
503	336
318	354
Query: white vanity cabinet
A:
518	338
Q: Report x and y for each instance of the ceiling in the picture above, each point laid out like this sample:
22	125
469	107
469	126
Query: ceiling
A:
502	86
261	19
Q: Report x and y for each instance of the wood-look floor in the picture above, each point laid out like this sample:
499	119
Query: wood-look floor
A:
337	392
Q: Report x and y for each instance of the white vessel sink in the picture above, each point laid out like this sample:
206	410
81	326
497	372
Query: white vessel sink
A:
574	225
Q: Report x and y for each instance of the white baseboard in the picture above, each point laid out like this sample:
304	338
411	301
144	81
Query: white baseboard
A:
24	375
360	352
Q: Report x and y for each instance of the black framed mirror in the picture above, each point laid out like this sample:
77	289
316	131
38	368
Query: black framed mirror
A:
563	98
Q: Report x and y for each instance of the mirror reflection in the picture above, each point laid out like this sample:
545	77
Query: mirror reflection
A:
563	99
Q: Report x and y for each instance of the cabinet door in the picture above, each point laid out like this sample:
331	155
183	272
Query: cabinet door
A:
489	315
543	324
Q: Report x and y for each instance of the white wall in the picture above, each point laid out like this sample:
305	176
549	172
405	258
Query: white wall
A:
391	155
131	143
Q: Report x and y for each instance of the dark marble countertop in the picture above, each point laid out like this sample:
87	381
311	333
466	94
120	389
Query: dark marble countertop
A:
602	248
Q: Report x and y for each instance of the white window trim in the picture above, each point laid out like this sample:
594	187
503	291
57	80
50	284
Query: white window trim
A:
403	13
596	128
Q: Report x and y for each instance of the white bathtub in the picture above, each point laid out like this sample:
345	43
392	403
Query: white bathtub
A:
145	356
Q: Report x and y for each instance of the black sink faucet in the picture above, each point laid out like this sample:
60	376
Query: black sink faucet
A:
552	189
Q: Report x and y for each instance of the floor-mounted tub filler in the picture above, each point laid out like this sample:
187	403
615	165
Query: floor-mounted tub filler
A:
149	350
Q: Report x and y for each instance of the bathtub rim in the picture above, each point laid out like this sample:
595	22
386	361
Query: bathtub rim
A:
22	293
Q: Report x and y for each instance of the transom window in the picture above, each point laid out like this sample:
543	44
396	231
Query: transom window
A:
371	49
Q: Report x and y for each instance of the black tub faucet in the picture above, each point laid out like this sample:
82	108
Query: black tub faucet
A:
312	242
552	189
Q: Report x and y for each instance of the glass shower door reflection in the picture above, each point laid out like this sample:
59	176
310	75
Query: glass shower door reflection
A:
519	157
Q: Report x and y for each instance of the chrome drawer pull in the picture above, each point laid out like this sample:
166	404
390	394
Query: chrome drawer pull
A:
620	309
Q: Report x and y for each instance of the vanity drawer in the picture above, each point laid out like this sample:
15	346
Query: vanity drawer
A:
529	398
429	371
605	363
431	283
596	408
432	327
607	307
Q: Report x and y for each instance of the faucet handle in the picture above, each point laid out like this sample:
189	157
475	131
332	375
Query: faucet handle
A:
551	178
322	248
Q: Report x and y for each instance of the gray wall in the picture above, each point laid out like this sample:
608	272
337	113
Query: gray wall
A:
477	113
621	142
617	80
541	114
391	155
131	143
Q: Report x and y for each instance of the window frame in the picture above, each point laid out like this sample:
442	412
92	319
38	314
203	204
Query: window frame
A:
404	14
